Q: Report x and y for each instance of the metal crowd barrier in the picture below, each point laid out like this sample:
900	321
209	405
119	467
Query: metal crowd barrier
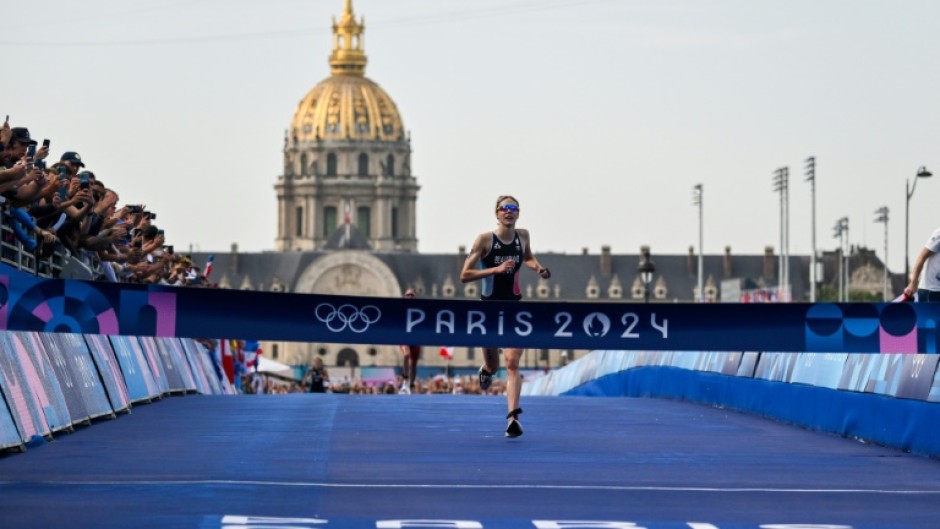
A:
57	265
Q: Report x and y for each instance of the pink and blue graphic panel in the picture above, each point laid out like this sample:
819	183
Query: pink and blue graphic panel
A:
24	405
138	377
154	362
191	352
109	370
72	361
49	391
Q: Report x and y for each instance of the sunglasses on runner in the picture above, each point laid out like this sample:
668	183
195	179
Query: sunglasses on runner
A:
509	208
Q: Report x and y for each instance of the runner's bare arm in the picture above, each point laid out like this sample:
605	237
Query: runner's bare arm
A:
470	272
529	259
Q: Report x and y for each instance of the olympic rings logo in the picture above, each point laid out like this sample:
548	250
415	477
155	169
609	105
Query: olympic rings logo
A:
338	319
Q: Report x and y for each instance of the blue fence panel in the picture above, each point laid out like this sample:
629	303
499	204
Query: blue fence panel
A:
25	410
72	350
138	376
109	370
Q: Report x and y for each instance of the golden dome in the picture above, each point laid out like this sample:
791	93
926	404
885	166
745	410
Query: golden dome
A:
347	105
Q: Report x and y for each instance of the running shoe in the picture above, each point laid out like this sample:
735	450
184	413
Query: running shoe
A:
486	378
514	429
404	389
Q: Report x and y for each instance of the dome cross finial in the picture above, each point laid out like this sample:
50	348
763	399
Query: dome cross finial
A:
348	57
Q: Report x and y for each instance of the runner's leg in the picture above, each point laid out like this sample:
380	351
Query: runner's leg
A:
413	371
513	380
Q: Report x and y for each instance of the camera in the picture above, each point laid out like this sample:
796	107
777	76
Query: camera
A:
151	215
134	208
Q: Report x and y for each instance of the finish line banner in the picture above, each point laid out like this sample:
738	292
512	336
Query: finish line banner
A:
28	303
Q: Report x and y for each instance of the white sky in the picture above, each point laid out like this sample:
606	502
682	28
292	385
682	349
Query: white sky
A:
599	115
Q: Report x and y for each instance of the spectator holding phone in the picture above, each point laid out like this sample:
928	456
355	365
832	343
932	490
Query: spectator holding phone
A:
73	161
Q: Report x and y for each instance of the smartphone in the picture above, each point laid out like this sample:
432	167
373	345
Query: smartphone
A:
169	249
63	175
152	215
45	143
40	164
31	152
84	183
138	244
159	233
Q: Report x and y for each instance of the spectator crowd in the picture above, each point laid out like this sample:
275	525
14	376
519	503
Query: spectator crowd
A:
258	383
50	208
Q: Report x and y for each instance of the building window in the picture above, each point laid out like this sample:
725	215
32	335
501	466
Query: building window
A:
303	164
274	351
363	164
470	290
471	353
542	290
395	222
300	221
331	164
329	221
390	165
363	221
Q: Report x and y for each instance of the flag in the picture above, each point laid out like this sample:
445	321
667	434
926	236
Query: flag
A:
252	352
447	352
209	266
228	361
346	216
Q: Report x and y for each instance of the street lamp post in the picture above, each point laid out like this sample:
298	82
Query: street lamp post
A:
811	178
782	185
646	270
922	172
697	200
841	231
882	216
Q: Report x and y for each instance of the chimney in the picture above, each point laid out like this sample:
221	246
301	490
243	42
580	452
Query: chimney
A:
727	263
462	253
690	262
770	264
584	251
607	262
233	260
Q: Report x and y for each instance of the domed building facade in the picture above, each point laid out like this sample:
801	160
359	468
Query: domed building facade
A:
347	158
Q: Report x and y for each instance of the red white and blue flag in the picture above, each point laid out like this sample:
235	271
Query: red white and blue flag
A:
252	352
208	269
447	352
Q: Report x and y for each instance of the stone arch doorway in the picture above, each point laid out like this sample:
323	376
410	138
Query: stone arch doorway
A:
350	273
347	358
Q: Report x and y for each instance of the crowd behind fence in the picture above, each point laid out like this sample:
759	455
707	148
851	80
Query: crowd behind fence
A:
59	219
